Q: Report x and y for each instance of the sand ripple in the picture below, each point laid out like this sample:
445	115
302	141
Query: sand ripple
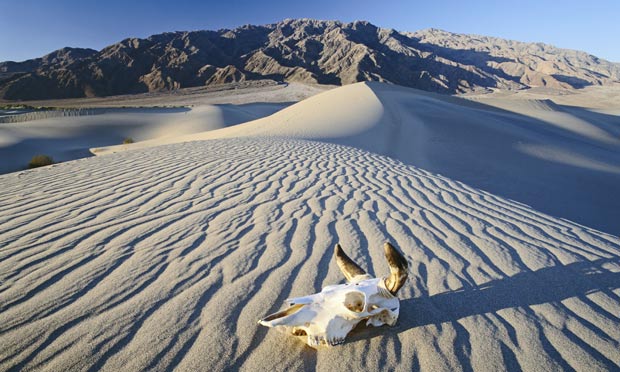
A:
165	258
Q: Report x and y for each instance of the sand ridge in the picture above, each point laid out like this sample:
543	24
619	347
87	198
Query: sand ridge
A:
67	138
165	257
69	133
534	151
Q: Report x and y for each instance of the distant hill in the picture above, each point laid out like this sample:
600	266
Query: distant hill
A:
303	50
59	59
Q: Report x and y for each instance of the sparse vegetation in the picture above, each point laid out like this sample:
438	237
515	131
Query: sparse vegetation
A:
128	140
29	107
40	161
14	107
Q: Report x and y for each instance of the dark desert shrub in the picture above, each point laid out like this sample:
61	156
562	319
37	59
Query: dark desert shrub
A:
40	161
127	140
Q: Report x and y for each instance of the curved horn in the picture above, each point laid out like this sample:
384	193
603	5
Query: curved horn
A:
349	268
398	268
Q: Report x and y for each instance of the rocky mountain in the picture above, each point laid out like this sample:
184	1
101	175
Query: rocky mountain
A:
534	64
304	50
58	59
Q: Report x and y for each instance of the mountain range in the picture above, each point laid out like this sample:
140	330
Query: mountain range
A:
303	50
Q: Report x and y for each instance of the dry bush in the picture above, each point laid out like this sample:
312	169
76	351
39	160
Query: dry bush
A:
40	161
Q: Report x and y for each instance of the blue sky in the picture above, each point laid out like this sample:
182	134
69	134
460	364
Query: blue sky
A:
32	28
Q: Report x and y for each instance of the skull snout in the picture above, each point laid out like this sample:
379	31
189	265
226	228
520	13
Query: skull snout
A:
355	301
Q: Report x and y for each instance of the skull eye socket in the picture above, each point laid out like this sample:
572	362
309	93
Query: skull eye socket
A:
355	301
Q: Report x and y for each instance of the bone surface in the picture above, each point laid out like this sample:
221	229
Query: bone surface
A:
328	316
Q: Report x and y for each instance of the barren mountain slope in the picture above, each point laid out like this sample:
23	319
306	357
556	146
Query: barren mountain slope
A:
536	64
305	50
57	59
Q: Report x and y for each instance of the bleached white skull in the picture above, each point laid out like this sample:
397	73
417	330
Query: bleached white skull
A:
328	316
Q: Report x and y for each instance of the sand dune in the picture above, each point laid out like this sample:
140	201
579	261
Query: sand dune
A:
68	138
164	254
165	257
558	159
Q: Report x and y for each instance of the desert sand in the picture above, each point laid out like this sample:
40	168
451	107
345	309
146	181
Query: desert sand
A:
69	138
164	254
142	117
559	159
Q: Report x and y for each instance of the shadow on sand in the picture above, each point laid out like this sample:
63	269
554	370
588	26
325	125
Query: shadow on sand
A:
548	285
551	284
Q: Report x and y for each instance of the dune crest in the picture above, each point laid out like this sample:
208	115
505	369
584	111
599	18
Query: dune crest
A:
525	150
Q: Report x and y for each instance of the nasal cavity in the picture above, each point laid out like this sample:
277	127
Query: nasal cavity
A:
354	301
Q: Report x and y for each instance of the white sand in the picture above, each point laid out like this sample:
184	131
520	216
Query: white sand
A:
69	138
168	256
165	257
561	160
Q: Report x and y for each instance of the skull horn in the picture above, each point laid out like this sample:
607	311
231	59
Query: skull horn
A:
349	268
398	269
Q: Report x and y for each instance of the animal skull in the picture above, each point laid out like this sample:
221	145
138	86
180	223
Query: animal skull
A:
328	316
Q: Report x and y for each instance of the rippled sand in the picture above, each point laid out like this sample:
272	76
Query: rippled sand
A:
165	258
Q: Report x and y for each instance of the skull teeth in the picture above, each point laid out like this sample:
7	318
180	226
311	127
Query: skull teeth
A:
321	340
336	341
314	340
